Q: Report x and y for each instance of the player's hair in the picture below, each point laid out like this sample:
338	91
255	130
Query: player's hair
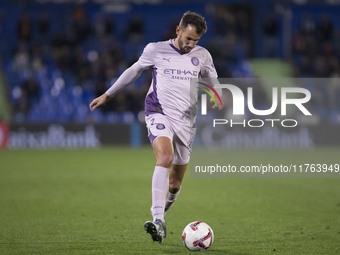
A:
195	19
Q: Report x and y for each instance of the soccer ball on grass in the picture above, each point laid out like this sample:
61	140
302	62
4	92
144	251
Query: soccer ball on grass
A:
197	236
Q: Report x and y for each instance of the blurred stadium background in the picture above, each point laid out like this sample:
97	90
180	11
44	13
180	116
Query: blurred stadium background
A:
57	55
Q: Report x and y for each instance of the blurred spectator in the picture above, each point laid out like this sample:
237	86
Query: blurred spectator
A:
24	28
321	67
62	47
228	48
135	29
336	41
120	103
270	31
306	68
81	26
299	43
37	61
116	52
62	57
80	67
2	17
109	26
104	26
22	105
213	48
334	64
225	22
133	98
327	49
31	88
170	32
21	59
244	31
44	26
25	96
99	27
325	28
222	68
312	46
58	40
307	25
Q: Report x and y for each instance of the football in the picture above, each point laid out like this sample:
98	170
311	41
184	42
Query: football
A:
197	236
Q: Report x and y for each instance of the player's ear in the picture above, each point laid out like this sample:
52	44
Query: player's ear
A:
178	30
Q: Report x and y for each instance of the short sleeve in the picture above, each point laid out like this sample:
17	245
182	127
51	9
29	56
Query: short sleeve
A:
146	59
208	69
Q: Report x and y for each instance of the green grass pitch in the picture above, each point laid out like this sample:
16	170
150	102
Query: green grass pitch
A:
96	202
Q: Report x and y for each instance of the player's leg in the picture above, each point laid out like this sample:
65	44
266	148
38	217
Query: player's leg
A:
182	143
175	182
160	135
160	181
160	186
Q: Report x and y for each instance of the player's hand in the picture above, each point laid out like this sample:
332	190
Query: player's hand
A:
99	102
218	104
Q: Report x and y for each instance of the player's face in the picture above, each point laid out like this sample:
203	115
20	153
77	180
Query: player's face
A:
187	38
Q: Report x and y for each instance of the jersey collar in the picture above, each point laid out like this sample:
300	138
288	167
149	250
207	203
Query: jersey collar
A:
172	44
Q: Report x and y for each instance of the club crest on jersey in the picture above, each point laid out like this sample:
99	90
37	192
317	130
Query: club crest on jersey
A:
195	61
160	126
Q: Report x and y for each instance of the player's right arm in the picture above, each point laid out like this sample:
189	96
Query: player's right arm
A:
99	102
127	77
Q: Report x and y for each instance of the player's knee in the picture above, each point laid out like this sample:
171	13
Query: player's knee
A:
174	186
165	160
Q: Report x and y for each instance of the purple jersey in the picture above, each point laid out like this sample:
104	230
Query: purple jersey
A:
172	71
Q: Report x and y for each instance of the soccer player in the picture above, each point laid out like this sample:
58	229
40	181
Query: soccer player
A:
171	129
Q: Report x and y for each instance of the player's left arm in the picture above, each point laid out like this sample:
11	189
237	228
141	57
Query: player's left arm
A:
219	103
209	74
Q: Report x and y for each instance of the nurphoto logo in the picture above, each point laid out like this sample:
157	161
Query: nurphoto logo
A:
239	105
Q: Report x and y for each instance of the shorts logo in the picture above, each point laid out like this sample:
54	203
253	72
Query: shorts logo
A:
160	126
195	61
